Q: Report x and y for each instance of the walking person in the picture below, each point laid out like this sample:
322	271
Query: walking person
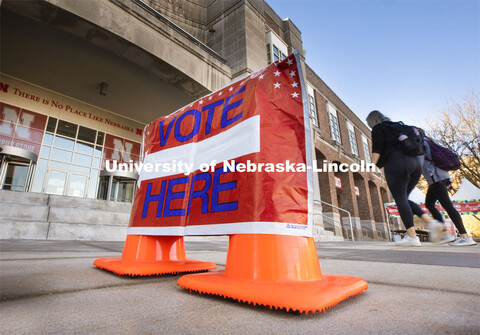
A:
438	182
402	172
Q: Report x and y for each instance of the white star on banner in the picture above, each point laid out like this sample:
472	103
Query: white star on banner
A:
295	84
230	89
190	105
220	93
210	98
277	73
294	95
200	102
292	73
289	62
277	85
261	76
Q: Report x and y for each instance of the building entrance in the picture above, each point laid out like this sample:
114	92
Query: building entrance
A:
117	186
64	182
16	168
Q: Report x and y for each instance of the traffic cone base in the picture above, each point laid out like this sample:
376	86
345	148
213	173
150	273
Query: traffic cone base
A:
116	265
276	271
152	255
308	296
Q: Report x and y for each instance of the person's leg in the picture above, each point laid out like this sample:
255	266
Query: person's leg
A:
431	199
436	227
444	199
416	209
415	173
437	232
397	177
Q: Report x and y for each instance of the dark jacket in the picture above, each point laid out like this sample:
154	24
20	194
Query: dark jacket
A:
384	141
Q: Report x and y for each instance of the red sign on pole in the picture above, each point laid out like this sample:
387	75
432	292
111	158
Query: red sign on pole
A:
338	182
232	162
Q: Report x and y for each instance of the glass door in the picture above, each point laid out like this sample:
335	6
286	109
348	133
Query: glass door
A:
77	185
66	183
56	182
115	188
15	176
125	189
15	173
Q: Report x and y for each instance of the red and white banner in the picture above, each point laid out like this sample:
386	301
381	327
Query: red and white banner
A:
259	123
21	128
464	207
120	149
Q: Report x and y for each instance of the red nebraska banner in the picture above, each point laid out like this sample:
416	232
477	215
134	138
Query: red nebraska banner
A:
21	128
231	162
464	207
120	149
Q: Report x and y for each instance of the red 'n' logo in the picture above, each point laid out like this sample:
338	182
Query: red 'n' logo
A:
4	87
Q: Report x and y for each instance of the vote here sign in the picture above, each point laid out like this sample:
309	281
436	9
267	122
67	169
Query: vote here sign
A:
244	146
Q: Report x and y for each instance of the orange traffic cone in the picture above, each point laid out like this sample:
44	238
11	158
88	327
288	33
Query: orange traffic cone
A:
152	255
277	271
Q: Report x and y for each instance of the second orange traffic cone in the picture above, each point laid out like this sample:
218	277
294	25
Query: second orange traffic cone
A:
277	271
152	255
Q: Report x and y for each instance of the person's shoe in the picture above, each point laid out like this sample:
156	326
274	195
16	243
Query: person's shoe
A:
463	242
446	239
408	241
437	231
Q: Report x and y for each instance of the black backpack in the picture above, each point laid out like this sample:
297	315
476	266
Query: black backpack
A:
410	138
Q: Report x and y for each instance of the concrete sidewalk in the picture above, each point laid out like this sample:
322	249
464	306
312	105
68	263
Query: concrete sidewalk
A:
51	287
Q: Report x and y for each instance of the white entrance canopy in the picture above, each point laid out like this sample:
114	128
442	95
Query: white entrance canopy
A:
466	191
416	196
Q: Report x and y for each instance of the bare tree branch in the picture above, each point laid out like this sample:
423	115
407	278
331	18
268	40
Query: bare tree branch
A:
458	128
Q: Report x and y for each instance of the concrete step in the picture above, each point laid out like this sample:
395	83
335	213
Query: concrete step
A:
88	232
10	211
42	216
15	229
91	204
87	216
26	198
327	238
320	234
39	199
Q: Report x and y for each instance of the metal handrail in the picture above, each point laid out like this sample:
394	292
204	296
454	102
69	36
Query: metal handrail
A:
343	210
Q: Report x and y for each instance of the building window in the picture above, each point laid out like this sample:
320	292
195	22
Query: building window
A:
313	109
335	130
334	127
311	105
277	54
366	149
352	139
353	142
69	161
276	48
269	53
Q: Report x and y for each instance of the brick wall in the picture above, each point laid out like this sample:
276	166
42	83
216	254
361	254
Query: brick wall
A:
368	207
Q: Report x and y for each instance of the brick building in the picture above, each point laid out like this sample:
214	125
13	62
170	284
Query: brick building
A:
340	136
80	79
